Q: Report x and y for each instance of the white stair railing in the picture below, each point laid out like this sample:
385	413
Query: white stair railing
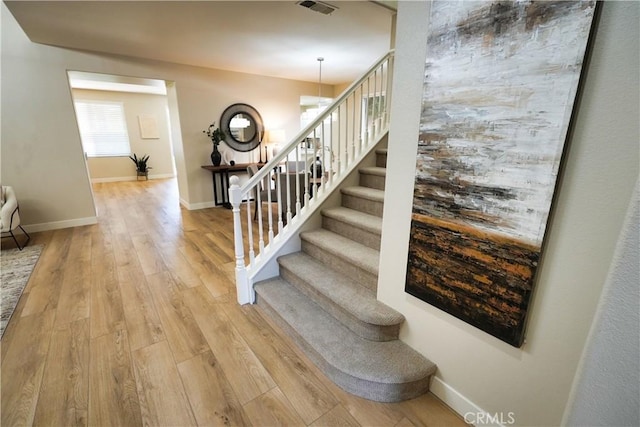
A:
337	139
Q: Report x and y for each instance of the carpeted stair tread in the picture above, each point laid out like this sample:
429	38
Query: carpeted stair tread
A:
382	151
355	253
345	293
374	170
383	371
367	193
361	220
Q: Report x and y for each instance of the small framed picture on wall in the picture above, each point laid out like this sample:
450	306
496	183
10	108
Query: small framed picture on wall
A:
148	126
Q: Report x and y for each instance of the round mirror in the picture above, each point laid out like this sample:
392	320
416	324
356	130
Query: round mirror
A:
242	126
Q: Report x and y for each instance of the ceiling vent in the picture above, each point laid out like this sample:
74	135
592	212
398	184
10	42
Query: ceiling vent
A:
316	6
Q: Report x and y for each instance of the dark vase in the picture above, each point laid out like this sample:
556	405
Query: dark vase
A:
216	157
316	168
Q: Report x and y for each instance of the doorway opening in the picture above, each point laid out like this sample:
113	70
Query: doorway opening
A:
121	116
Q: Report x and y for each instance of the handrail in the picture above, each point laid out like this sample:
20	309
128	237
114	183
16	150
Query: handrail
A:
337	139
277	159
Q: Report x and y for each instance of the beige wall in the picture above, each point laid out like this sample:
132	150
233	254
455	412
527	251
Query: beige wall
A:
41	154
159	150
476	370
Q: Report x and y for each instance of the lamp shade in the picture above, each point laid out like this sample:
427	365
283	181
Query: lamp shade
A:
275	136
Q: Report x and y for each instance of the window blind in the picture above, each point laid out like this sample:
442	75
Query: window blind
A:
103	128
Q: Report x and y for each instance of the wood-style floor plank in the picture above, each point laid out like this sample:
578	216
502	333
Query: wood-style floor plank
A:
179	326
163	401
63	395
306	393
272	409
23	367
337	417
212	398
143	324
207	272
405	423
47	278
113	393
180	269
150	259
74	302
124	251
208	245
247	375
427	410
107	312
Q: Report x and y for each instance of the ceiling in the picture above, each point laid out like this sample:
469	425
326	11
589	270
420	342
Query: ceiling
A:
271	38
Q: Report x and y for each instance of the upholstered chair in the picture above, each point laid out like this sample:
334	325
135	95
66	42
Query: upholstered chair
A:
10	215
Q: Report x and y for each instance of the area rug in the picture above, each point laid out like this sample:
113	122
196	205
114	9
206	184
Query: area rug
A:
15	267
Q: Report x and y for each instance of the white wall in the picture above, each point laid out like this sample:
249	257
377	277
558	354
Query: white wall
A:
476	370
607	390
159	150
41	154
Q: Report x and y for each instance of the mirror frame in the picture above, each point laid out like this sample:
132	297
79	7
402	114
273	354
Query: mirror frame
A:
225	122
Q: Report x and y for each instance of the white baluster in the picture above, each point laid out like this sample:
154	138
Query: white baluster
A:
287	189
252	254
360	134
354	133
259	209
280	202
376	105
306	178
268	180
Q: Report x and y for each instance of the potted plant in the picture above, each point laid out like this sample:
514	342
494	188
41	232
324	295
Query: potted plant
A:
141	165
216	135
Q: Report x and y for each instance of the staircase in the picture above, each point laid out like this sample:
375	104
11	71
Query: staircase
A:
325	298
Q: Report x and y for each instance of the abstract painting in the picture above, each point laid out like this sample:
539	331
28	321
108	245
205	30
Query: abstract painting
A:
499	88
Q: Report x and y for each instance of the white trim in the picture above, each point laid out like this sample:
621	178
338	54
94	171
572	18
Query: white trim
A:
130	178
196	206
184	203
202	205
45	226
461	405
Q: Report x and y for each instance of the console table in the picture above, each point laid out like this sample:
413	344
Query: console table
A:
221	174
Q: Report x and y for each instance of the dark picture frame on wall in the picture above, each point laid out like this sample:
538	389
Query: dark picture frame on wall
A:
500	83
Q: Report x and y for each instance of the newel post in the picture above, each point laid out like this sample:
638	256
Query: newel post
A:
243	287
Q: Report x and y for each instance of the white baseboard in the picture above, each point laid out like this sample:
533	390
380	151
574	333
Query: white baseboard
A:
196	206
469	411
130	178
45	226
203	205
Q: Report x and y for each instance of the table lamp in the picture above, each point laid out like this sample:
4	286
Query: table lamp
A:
273	139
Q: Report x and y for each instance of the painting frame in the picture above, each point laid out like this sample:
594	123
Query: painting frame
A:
479	223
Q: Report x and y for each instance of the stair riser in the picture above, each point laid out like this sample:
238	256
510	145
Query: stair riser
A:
372	181
375	391
362	205
363	329
381	160
354	272
364	237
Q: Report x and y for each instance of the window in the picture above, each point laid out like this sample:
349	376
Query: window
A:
103	129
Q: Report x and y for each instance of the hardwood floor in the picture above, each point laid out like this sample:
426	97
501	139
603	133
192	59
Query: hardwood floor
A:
134	321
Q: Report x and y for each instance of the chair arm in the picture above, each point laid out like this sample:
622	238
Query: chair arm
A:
7	219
